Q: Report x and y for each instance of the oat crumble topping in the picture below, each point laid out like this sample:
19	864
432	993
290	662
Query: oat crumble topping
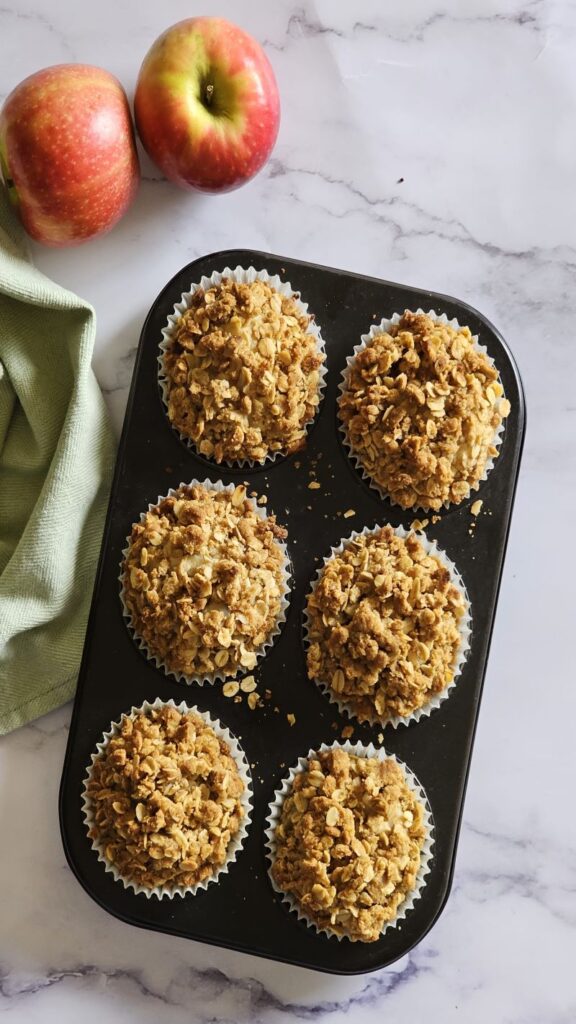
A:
203	580
421	408
348	842
243	372
165	795
384	625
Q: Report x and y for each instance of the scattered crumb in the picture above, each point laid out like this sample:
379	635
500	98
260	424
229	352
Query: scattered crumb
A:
380	737
230	689
291	719
419	524
267	694
248	684
347	732
334	726
238	699
262	499
350	512
436	519
314	485
476	506
400	181
277	710
297	465
253	700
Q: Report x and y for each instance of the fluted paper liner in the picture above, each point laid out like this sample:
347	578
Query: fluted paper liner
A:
237	841
464	628
241	276
217	676
382	328
360	750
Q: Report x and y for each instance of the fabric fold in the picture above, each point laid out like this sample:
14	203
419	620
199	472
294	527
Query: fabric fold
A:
56	460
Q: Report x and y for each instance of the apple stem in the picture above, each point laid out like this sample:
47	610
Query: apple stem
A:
209	94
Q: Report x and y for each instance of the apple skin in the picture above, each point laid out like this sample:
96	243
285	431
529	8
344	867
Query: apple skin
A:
68	154
206	106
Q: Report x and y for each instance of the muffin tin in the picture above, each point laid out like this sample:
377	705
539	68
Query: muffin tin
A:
242	911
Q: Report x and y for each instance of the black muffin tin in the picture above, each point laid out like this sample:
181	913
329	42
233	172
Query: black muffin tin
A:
241	911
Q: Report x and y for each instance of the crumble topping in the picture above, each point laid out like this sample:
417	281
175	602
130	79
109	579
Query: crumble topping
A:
421	408
165	795
384	625
348	842
243	372
203	580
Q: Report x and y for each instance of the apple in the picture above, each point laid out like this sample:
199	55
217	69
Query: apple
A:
67	153
207	107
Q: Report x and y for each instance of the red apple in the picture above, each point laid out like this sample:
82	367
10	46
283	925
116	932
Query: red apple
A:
206	105
67	153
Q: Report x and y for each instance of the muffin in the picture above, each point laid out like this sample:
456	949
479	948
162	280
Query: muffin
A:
421	407
242	372
347	848
384	624
204	581
165	800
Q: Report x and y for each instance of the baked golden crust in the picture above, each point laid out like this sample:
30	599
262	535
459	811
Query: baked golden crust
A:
165	796
348	842
243	372
203	580
421	408
384	623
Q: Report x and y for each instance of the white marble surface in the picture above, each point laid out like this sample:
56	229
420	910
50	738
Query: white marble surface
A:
433	143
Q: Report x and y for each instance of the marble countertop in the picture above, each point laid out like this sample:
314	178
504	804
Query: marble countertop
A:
433	144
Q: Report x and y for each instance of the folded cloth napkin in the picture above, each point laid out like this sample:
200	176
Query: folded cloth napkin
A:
56	458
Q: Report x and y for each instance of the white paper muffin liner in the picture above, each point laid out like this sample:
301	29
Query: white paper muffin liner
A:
217	676
365	340
241	276
360	750
464	628
236	843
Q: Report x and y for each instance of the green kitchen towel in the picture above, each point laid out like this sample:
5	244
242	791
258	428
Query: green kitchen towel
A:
56	458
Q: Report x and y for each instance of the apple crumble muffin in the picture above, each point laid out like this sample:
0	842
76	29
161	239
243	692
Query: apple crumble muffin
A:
165	799
421	407
243	372
384	626
203	581
348	843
